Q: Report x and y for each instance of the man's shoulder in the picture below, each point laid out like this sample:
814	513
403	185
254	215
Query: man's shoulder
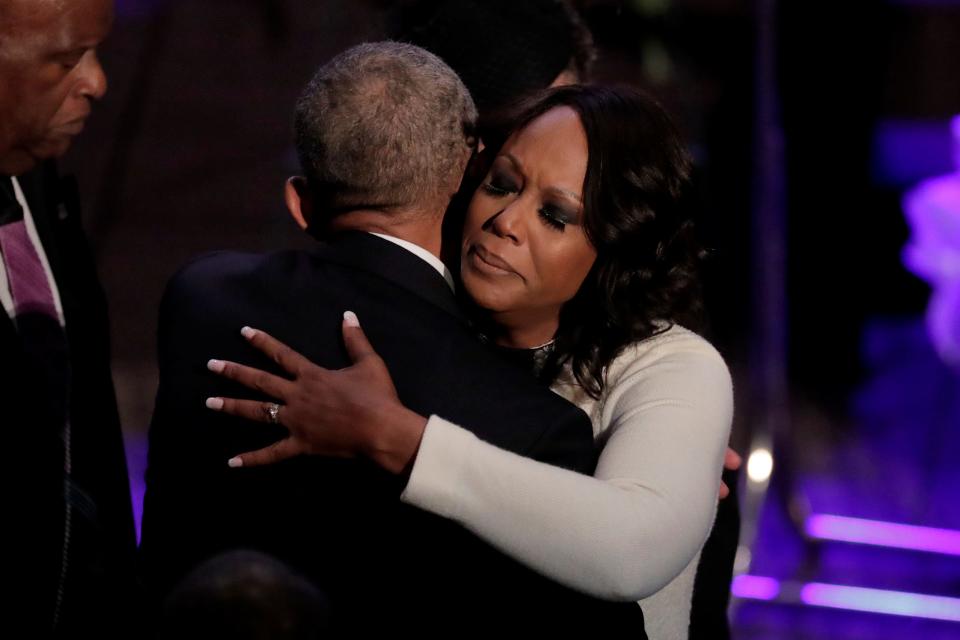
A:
216	271
219	264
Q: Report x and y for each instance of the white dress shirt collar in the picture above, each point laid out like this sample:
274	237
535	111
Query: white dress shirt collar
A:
421	253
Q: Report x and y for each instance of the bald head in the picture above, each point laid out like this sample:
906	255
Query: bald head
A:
50	76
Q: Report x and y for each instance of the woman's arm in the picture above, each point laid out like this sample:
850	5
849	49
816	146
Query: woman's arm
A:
629	530
621	534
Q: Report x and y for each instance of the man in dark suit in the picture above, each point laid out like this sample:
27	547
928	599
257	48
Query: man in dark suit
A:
67	501
384	132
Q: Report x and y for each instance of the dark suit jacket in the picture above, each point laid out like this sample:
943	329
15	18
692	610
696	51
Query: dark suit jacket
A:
98	566
384	565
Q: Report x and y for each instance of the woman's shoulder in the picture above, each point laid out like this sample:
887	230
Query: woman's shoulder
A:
674	344
675	368
676	364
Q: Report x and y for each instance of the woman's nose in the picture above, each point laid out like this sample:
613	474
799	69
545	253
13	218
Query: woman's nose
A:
508	222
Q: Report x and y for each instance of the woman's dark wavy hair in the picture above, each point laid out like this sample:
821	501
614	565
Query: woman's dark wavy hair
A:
646	274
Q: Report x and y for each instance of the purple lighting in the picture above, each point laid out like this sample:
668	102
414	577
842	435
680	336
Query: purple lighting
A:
884	534
932	209
755	587
878	601
835	596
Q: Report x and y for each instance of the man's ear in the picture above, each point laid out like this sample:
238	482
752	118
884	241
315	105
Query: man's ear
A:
297	196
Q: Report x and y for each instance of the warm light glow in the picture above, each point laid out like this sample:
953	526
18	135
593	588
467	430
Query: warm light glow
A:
741	563
759	465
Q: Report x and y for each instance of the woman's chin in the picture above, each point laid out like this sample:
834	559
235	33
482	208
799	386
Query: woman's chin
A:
486	295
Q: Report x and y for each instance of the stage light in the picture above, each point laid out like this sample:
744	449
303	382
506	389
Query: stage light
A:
835	596
759	465
755	587
883	534
898	603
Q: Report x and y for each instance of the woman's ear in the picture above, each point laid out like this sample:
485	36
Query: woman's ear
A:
299	202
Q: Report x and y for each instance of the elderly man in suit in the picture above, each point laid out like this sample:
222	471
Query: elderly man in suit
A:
384	133
69	508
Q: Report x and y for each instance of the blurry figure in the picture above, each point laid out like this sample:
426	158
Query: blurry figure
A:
503	50
933	253
69	500
244	595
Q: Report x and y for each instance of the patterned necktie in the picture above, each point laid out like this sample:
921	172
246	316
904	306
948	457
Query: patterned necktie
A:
42	336
27	279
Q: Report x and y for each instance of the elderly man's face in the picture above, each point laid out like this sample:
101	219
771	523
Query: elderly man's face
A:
49	76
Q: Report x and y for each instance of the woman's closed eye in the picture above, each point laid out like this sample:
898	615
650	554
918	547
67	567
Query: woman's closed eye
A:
556	217
500	186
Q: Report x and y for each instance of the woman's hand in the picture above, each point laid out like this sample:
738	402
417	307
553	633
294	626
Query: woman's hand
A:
344	413
731	462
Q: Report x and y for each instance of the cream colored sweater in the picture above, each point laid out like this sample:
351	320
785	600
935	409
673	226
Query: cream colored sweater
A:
634	530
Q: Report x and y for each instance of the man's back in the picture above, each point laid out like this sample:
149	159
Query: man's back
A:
340	522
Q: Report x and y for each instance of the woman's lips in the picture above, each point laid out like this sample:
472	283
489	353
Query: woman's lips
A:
486	261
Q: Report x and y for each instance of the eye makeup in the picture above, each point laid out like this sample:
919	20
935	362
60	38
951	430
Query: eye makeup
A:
501	182
558	216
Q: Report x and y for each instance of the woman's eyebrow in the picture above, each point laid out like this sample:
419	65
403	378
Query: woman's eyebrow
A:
518	166
564	192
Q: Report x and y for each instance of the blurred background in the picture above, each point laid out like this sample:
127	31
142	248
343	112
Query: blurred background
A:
828	189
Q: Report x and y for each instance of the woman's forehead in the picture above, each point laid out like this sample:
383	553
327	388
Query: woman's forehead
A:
554	142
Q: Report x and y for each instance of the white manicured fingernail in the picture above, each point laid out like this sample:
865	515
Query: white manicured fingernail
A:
215	365
235	463
215	403
248	332
350	319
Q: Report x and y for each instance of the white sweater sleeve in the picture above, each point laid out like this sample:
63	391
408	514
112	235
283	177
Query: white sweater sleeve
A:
631	528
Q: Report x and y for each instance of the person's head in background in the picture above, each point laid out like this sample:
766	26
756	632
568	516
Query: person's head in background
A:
503	50
244	595
384	132
49	76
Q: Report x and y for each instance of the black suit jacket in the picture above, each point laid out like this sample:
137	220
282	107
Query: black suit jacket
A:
384	565
97	593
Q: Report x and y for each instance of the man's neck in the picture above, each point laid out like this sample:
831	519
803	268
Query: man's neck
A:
422	230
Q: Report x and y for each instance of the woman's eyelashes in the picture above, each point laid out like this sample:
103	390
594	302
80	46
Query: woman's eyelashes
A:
554	217
498	185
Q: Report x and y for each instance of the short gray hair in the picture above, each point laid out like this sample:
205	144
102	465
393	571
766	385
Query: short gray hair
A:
384	125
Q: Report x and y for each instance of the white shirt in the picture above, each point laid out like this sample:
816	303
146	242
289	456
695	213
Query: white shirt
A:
5	296
421	253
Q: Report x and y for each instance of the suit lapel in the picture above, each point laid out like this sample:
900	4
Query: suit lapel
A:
9	338
367	252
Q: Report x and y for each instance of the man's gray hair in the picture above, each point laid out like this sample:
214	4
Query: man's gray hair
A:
384	125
